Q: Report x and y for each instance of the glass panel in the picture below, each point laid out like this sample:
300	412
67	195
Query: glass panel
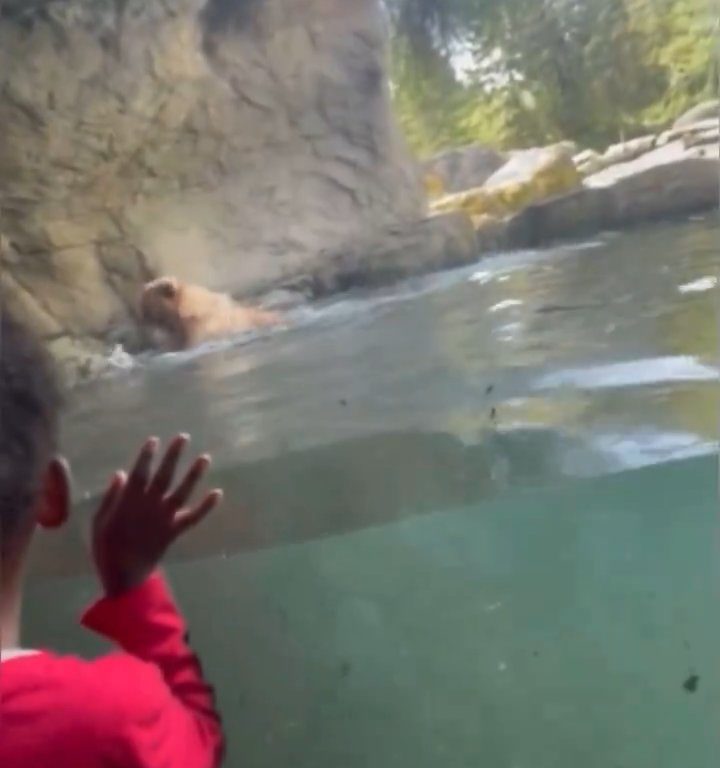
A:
470	466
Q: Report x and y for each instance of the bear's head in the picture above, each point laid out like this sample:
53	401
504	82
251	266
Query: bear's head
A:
160	311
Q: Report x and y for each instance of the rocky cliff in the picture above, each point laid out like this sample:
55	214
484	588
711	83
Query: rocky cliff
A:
229	142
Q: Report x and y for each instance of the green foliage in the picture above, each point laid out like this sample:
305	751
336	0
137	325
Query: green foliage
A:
594	71
684	33
432	106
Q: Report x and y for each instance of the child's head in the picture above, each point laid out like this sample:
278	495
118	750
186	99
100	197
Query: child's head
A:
34	484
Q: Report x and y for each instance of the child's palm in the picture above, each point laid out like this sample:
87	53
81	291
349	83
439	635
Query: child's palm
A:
142	514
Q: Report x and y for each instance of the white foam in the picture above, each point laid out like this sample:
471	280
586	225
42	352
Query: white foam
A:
584	246
121	359
481	277
507	304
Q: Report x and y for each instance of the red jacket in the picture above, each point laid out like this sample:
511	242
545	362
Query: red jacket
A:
144	707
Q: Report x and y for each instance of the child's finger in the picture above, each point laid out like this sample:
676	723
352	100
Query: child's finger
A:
166	472
192	517
140	473
183	492
111	495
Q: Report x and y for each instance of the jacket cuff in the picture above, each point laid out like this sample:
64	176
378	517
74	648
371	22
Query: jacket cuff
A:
130	618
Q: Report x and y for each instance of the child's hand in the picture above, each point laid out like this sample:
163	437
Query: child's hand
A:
141	515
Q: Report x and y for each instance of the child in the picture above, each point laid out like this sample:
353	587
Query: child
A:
143	706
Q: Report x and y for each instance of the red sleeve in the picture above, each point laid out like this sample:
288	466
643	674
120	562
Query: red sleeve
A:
166	709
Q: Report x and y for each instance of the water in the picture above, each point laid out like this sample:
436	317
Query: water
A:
600	345
478	523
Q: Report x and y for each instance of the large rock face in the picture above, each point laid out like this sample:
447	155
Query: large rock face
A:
228	142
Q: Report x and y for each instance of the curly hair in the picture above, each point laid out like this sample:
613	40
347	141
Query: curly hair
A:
30	403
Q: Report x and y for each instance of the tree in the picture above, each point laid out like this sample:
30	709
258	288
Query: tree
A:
682	37
595	71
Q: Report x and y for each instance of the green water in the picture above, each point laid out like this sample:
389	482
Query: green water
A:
478	520
547	629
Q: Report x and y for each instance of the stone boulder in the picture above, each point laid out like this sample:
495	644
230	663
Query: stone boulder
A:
566	146
434	186
707	110
461	169
628	150
590	161
669	181
687	132
528	177
228	142
709	136
578	214
551	168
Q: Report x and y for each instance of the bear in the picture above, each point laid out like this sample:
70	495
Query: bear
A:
179	316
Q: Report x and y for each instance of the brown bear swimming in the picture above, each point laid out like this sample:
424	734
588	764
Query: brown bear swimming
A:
187	315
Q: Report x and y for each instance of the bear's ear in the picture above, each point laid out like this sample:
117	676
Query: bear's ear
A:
168	289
